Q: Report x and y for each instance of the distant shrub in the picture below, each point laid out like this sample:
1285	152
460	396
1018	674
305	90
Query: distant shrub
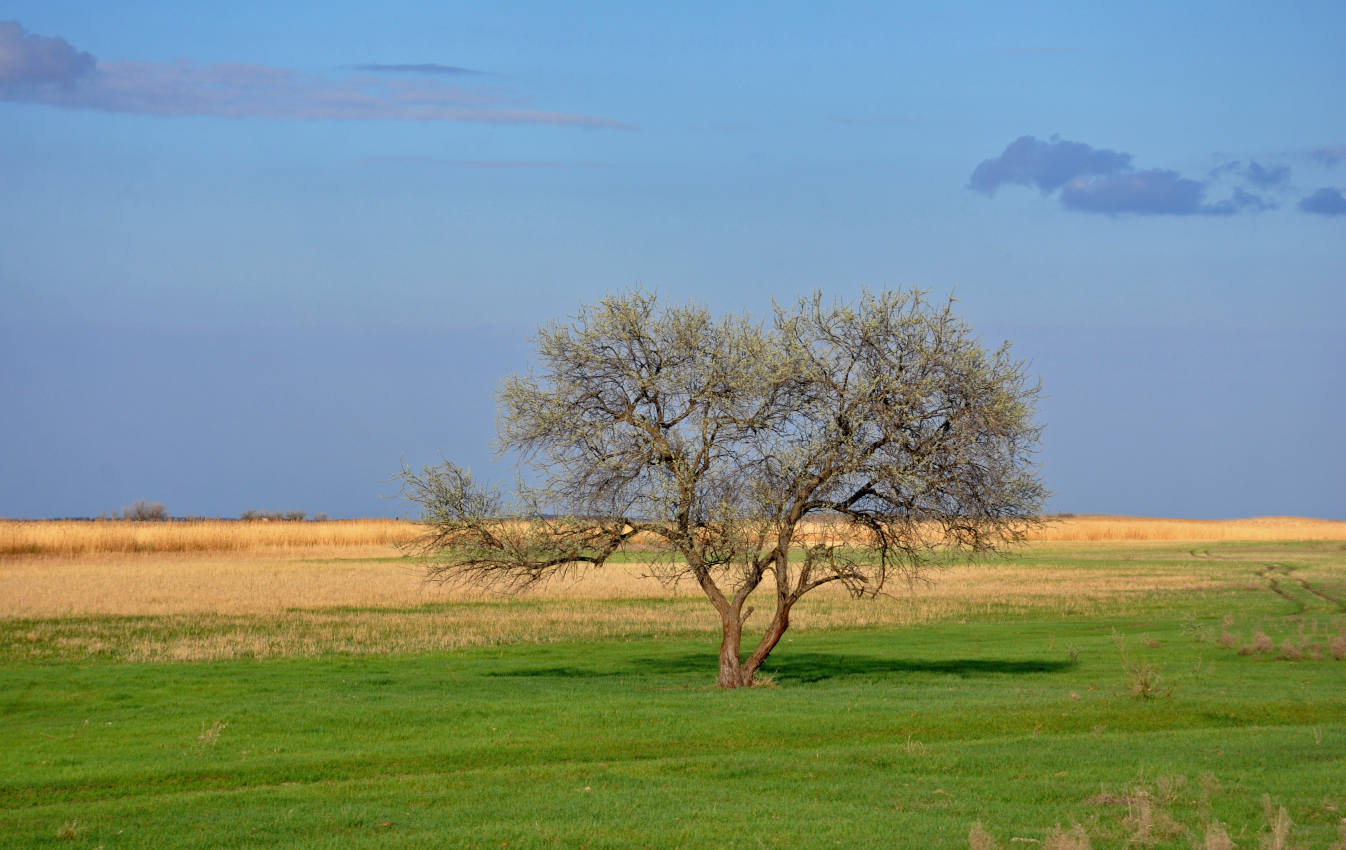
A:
253	515
143	511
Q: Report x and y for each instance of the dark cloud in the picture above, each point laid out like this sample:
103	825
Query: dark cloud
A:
30	62
1325	201
1267	178
1047	165
35	69
417	68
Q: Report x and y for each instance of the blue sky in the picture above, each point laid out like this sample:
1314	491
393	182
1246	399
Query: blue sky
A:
255	255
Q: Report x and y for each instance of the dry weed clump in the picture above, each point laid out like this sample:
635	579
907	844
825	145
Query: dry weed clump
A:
979	839
1074	838
70	830
1260	643
1278	825
1143	680
1217	837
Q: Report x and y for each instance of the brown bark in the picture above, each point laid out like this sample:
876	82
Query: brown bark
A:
779	623
731	671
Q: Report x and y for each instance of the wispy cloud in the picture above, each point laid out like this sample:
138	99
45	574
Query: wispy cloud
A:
1037	51
852	121
41	69
433	68
1099	180
505	164
1325	201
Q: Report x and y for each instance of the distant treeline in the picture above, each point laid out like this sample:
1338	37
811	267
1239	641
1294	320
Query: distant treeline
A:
145	511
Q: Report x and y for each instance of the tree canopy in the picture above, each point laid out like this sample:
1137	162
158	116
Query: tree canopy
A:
721	443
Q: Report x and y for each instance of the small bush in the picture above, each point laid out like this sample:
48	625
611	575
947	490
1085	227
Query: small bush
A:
143	511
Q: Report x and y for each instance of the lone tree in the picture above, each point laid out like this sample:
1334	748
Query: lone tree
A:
833	444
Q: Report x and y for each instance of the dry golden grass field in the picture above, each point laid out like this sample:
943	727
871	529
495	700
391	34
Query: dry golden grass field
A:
81	537
219	589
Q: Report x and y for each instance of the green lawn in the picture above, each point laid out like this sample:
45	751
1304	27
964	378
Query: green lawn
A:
870	737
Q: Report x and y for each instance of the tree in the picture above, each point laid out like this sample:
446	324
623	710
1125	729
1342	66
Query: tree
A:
833	444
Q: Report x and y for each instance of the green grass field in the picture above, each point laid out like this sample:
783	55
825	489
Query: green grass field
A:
1152	718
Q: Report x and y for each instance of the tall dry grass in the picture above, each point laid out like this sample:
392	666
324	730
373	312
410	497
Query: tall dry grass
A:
82	537
1103	528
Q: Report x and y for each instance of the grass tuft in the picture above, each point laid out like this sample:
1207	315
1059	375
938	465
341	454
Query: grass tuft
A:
70	830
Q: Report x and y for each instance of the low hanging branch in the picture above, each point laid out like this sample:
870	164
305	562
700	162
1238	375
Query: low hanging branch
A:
720	441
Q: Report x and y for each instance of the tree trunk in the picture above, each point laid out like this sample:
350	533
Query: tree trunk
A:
779	623
731	671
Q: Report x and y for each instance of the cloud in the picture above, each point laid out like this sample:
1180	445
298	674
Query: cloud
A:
1098	180
1047	165
417	68
30	62
1325	201
1267	178
1245	200
36	69
1329	155
1153	192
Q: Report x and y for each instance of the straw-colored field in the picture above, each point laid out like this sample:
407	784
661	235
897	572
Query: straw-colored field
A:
224	590
81	537
77	537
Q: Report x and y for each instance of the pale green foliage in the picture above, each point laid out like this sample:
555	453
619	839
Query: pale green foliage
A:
713	439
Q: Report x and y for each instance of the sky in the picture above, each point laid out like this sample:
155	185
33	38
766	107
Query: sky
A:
258	255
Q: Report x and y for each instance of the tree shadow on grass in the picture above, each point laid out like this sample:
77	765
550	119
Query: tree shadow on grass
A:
805	667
